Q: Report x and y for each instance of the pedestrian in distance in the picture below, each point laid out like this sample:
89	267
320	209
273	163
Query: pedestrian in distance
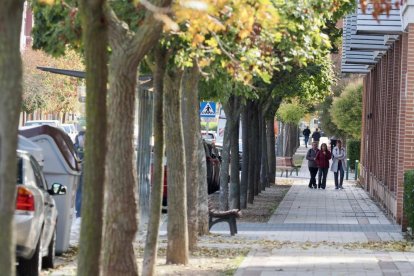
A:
316	136
313	167
322	160
338	164
306	133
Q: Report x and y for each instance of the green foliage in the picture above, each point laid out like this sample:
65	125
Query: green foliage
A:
311	83
212	126
291	113
220	85
353	151
56	27
346	110
409	197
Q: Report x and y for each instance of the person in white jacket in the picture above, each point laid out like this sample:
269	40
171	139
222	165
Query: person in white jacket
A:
338	164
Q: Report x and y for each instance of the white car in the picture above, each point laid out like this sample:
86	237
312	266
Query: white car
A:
70	129
35	217
54	123
209	137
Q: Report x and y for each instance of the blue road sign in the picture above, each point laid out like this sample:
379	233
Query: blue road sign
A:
207	109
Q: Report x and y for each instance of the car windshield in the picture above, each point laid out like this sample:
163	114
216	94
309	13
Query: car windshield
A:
40	124
67	129
208	136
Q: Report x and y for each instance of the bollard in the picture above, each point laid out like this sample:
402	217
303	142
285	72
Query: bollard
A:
356	169
347	169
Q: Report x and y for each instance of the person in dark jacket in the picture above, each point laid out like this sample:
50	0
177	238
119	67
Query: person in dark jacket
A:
306	133
322	160
313	168
316	136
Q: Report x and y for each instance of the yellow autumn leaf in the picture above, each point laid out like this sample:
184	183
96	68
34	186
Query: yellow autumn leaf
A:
243	34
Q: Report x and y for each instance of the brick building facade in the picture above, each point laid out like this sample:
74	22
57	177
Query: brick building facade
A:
387	137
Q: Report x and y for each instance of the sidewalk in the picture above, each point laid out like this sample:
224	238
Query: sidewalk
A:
327	232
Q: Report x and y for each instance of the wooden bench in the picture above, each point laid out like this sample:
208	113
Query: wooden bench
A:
285	164
229	216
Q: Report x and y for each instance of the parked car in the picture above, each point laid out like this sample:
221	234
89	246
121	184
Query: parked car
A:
209	137
54	123
70	129
220	149
213	171
35	217
213	167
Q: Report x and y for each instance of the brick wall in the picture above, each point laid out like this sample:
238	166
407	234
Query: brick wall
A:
387	139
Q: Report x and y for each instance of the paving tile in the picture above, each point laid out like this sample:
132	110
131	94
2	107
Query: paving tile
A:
333	216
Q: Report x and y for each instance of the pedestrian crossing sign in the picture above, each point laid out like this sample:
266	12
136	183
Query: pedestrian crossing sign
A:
207	109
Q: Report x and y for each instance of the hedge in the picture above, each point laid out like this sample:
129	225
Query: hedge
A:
409	197
354	149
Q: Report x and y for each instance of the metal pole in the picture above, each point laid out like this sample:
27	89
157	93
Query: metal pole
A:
356	169
347	168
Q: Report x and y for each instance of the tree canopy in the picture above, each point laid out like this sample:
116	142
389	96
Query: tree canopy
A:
49	92
346	110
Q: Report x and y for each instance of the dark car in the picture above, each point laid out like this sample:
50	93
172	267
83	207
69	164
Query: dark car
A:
213	167
213	171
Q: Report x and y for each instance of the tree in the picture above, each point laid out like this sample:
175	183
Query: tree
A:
95	41
151	244
10	101
190	117
346	110
50	92
129	44
128	49
290	114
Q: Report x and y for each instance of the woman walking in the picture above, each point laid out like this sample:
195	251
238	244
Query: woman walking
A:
338	164
322	160
313	168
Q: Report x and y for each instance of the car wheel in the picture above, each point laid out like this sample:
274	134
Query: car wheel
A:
32	266
49	260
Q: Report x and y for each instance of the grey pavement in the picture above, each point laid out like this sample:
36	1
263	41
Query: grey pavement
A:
326	232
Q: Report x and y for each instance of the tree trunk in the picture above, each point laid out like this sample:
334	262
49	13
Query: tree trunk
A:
225	164
291	137
271	152
121	222
235	164
257	148
177	248
191	120
10	102
151	244
252	152
245	158
145	112
232	110
264	170
203	224
95	39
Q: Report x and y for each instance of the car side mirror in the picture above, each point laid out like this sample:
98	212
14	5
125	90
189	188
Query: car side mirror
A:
57	189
